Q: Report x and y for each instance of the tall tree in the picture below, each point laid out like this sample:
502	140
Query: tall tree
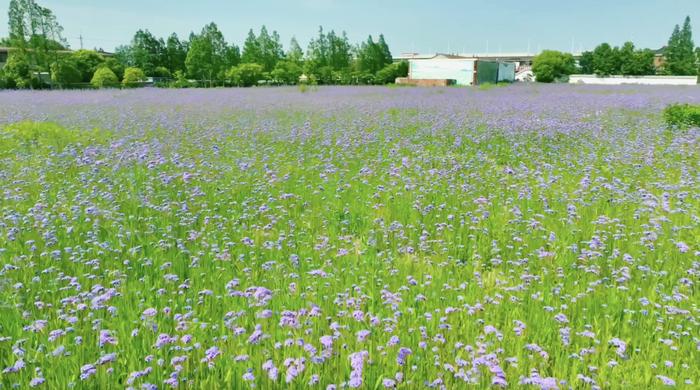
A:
251	49
264	49
386	56
636	62
606	60
35	30
373	56
147	51
680	51
585	63
318	50
209	55
295	54
175	53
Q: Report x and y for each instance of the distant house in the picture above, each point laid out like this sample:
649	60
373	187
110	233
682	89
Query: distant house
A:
659	58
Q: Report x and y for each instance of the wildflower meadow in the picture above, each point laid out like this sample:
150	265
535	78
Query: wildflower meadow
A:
530	236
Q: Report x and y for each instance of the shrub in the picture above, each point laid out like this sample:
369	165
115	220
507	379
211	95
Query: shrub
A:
116	66
389	73
87	62
162	72
104	78
180	80
65	73
18	71
286	72
245	75
682	116
133	77
551	65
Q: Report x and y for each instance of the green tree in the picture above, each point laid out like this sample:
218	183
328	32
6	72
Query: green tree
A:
124	55
104	78
162	72
627	58
636	62
680	51
389	73
551	65
64	72
87	61
606	60
251	49
585	63
147	51
175	54
286	72
295	54
116	66
264	49
181	80
373	56
18	71
245	75
208	54
34	31
270	49
133	77
328	50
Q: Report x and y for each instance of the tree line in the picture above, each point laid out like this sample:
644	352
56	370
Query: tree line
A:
680	57
40	53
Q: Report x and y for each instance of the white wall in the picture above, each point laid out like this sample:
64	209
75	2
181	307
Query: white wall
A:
646	80
461	70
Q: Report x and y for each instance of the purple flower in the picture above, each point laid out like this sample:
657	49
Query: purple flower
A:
107	338
326	341
248	376
19	364
362	335
211	354
110	357
561	318
256	335
403	354
666	380
87	371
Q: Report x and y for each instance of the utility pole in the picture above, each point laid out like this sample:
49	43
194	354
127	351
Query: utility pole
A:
81	41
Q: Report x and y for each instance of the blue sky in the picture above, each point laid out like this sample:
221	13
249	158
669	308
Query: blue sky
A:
408	25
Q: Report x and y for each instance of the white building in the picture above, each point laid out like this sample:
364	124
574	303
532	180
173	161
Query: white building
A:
463	70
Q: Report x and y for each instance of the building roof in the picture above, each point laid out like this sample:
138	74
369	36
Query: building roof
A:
513	56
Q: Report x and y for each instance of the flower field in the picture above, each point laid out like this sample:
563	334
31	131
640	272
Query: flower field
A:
534	236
